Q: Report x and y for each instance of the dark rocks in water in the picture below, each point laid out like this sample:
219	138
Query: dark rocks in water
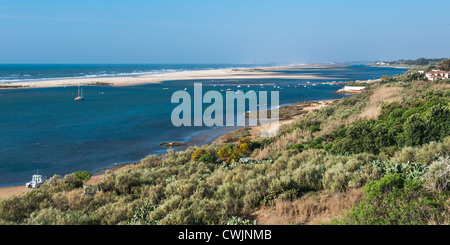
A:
172	144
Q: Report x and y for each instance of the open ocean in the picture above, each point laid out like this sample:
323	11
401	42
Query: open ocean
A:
43	128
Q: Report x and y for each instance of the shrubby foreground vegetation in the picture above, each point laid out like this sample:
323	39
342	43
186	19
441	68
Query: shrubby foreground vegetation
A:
392	141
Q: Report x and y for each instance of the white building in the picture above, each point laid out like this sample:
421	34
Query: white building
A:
436	75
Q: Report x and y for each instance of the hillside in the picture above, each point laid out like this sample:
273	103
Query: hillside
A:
378	157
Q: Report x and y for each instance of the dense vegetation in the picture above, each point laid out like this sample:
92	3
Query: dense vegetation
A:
412	123
392	140
394	200
418	62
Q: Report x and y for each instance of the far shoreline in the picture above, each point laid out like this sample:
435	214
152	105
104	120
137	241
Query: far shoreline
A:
275	72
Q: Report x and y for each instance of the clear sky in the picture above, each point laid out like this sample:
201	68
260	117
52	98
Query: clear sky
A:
231	31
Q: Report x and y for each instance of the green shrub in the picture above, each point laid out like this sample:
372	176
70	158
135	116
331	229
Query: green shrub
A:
207	159
313	128
394	200
438	175
198	154
298	147
316	143
82	176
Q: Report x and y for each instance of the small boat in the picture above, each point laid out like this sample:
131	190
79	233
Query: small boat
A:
36	181
80	94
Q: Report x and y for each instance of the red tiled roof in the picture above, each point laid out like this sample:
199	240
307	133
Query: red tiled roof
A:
434	72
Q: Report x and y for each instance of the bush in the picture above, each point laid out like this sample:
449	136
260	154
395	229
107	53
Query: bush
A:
198	154
336	178
207	159
313	128
412	123
232	153
316	143
82	176
298	147
438	175
394	200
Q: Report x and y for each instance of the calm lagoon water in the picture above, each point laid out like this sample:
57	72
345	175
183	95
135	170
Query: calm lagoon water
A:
45	129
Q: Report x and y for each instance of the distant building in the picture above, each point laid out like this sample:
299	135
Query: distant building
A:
437	74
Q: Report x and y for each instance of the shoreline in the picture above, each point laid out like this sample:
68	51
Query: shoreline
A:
275	72
254	131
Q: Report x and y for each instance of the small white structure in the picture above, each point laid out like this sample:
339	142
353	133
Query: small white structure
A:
36	181
351	89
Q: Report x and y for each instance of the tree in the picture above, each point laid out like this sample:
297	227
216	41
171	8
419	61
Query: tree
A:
415	131
430	68
445	65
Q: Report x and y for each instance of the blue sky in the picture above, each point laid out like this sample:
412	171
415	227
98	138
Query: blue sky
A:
206	31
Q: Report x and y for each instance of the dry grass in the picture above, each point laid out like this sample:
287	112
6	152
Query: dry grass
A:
441	86
296	137
381	96
309	209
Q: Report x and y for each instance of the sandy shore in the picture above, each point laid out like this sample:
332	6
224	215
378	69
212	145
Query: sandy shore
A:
255	131
242	73
7	192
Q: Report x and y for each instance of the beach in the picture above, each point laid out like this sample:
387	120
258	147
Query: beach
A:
212	74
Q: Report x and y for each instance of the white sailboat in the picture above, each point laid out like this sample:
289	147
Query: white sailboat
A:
80	94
